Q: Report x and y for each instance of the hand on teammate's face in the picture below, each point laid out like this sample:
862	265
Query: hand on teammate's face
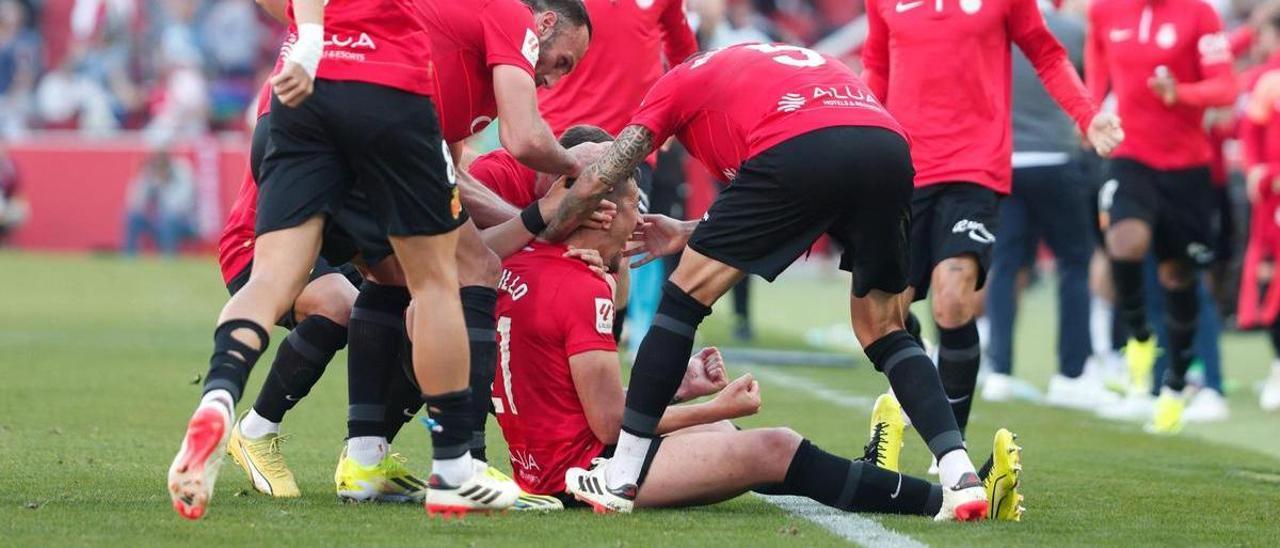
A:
657	236
592	259
741	398
1105	133
293	85
549	205
704	376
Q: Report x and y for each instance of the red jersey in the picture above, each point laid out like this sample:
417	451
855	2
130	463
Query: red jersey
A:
730	104
235	245
943	69
1128	40
511	180
469	39
628	41
549	309
381	42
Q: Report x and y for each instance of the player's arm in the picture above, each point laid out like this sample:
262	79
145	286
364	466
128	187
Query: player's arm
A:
277	9
619	161
659	236
521	128
1217	84
297	78
1096	72
875	53
677	36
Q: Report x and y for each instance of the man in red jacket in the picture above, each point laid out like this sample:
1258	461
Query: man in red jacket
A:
1165	61
943	69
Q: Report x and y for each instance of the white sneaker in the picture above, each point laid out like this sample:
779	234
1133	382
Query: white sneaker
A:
965	501
1207	406
195	468
1135	407
1025	391
589	486
1084	392
481	493
1270	399
998	388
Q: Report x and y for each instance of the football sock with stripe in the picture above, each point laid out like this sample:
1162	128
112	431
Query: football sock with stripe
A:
1130	303
959	356
451	429
1181	319
403	400
659	367
299	363
478	305
857	486
916	384
233	358
375	336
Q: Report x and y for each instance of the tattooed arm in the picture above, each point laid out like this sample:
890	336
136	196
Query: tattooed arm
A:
596	182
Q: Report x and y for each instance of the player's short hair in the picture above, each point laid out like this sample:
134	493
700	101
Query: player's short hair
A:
583	133
573	12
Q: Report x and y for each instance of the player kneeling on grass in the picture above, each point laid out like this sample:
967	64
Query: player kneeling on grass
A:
559	401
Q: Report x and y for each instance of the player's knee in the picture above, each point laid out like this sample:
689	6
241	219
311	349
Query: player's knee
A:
1176	275
331	296
953	302
1128	241
777	443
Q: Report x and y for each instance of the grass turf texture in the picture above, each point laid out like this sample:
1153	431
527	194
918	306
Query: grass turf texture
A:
100	359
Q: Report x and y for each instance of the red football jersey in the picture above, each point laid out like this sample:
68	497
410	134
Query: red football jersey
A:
511	180
730	104
549	308
235	245
469	39
381	42
943	68
628	42
1127	41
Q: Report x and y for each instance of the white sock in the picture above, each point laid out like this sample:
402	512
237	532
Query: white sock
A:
254	427
628	459
367	450
454	471
222	400
1100	325
953	465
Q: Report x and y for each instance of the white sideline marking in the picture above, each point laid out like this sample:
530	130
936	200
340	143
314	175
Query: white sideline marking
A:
846	525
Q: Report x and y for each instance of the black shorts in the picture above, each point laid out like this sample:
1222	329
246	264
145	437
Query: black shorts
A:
1177	204
951	220
851	182
319	269
349	136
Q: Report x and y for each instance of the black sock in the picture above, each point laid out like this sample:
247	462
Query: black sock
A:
232	360
375	338
857	486
1274	332
478	306
619	319
913	328
959	356
1130	303
300	361
451	429
916	384
661	361
1182	315
1119	331
403	398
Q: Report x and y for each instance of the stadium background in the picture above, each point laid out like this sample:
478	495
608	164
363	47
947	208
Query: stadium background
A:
94	347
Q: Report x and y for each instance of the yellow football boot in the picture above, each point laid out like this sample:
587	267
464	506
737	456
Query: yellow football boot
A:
1167	418
263	462
1141	358
1000	476
885	444
526	502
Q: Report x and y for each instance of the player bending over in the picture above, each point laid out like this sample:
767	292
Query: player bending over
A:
808	150
559	401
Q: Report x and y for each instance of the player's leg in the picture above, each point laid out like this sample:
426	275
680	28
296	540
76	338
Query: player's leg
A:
478	272
1128	203
708	467
1008	257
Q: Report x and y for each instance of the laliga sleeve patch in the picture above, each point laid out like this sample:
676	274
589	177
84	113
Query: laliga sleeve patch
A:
530	47
604	316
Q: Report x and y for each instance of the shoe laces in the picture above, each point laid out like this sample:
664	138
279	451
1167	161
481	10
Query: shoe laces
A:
272	457
874	450
395	465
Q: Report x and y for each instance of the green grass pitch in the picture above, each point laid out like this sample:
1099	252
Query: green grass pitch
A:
99	361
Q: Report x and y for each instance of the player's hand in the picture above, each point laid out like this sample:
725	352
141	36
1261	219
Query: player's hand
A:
657	236
585	154
704	376
1105	133
551	207
591	258
1164	86
293	85
741	398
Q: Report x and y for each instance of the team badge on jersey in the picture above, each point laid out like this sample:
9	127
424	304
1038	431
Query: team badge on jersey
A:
1167	36
604	316
530	48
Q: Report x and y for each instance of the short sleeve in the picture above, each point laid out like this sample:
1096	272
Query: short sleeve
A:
585	314
660	110
509	38
506	177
